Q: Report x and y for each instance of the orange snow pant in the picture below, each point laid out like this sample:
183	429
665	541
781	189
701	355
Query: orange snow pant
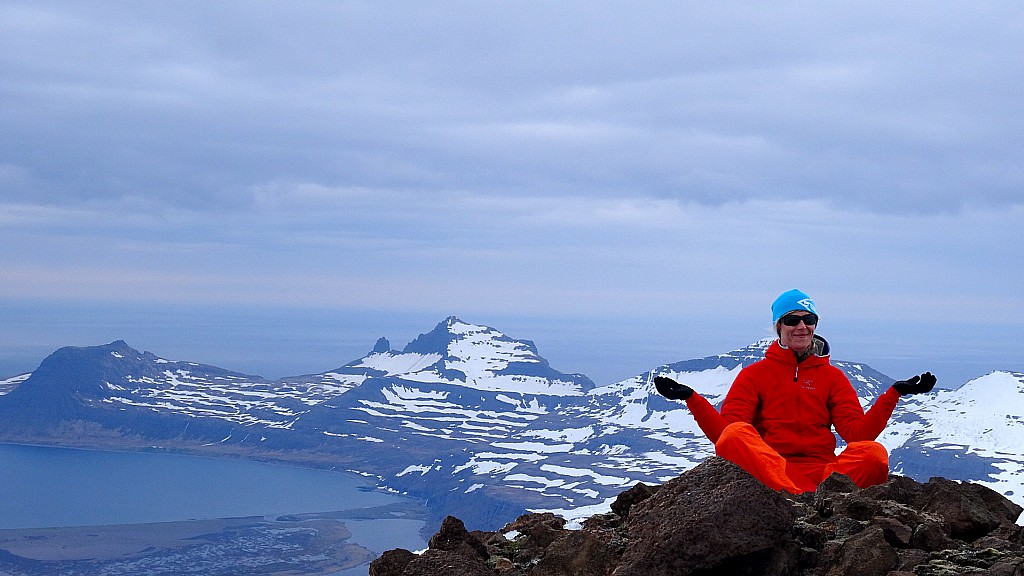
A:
866	462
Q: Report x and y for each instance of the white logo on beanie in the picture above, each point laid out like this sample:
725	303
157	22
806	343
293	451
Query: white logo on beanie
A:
789	301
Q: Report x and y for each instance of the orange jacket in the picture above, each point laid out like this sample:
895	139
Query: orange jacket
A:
794	405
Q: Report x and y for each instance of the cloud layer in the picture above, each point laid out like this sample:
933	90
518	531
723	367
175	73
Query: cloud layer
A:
580	158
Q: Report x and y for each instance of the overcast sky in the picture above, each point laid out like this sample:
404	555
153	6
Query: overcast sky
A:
269	186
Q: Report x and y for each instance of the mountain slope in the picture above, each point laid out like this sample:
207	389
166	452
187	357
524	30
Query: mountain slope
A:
972	433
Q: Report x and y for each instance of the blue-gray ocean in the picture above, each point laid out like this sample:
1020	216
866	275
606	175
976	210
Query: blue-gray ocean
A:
52	487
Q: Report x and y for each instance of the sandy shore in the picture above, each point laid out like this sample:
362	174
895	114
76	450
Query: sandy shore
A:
303	544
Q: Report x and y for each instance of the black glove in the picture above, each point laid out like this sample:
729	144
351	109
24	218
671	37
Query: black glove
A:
671	389
916	385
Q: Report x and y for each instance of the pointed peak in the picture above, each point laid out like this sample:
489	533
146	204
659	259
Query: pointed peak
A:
456	325
119	346
436	341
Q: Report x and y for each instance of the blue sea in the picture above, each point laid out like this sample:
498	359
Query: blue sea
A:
54	487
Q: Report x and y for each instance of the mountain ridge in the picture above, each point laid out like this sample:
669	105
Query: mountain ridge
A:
474	422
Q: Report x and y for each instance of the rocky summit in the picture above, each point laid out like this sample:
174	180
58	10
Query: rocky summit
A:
715	519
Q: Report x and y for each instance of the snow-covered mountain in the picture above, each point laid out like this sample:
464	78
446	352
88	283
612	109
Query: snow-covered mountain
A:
973	433
477	357
470	420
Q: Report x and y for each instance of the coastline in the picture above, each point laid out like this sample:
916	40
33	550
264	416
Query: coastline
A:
321	541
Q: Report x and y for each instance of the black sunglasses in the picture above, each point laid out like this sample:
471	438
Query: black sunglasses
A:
793	320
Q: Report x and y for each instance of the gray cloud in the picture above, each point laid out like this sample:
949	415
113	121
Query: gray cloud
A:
871	107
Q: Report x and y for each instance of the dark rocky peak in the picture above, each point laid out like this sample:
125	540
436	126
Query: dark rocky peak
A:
437	340
717	520
63	378
72	373
85	369
452	331
382	346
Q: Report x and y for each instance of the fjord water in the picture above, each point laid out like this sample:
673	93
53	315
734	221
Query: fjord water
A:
54	487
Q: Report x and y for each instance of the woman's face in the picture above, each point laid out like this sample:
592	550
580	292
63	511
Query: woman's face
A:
799	337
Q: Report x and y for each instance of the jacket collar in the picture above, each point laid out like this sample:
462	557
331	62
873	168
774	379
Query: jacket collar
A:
819	350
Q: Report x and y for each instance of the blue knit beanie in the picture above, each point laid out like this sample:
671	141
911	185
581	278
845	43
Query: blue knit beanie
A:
790	301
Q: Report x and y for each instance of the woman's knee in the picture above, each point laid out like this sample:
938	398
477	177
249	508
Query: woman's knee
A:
869	451
736	431
866	462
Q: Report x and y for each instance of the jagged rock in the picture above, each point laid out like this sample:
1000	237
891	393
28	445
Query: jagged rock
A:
540	529
382	346
578	553
391	562
836	484
896	533
970	510
627	499
865	554
453	551
899	489
931	536
717	520
443	562
453	537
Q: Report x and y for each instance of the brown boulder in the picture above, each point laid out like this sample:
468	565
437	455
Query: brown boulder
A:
443	562
453	552
627	499
391	563
453	537
865	554
710	517
540	529
969	510
578	553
